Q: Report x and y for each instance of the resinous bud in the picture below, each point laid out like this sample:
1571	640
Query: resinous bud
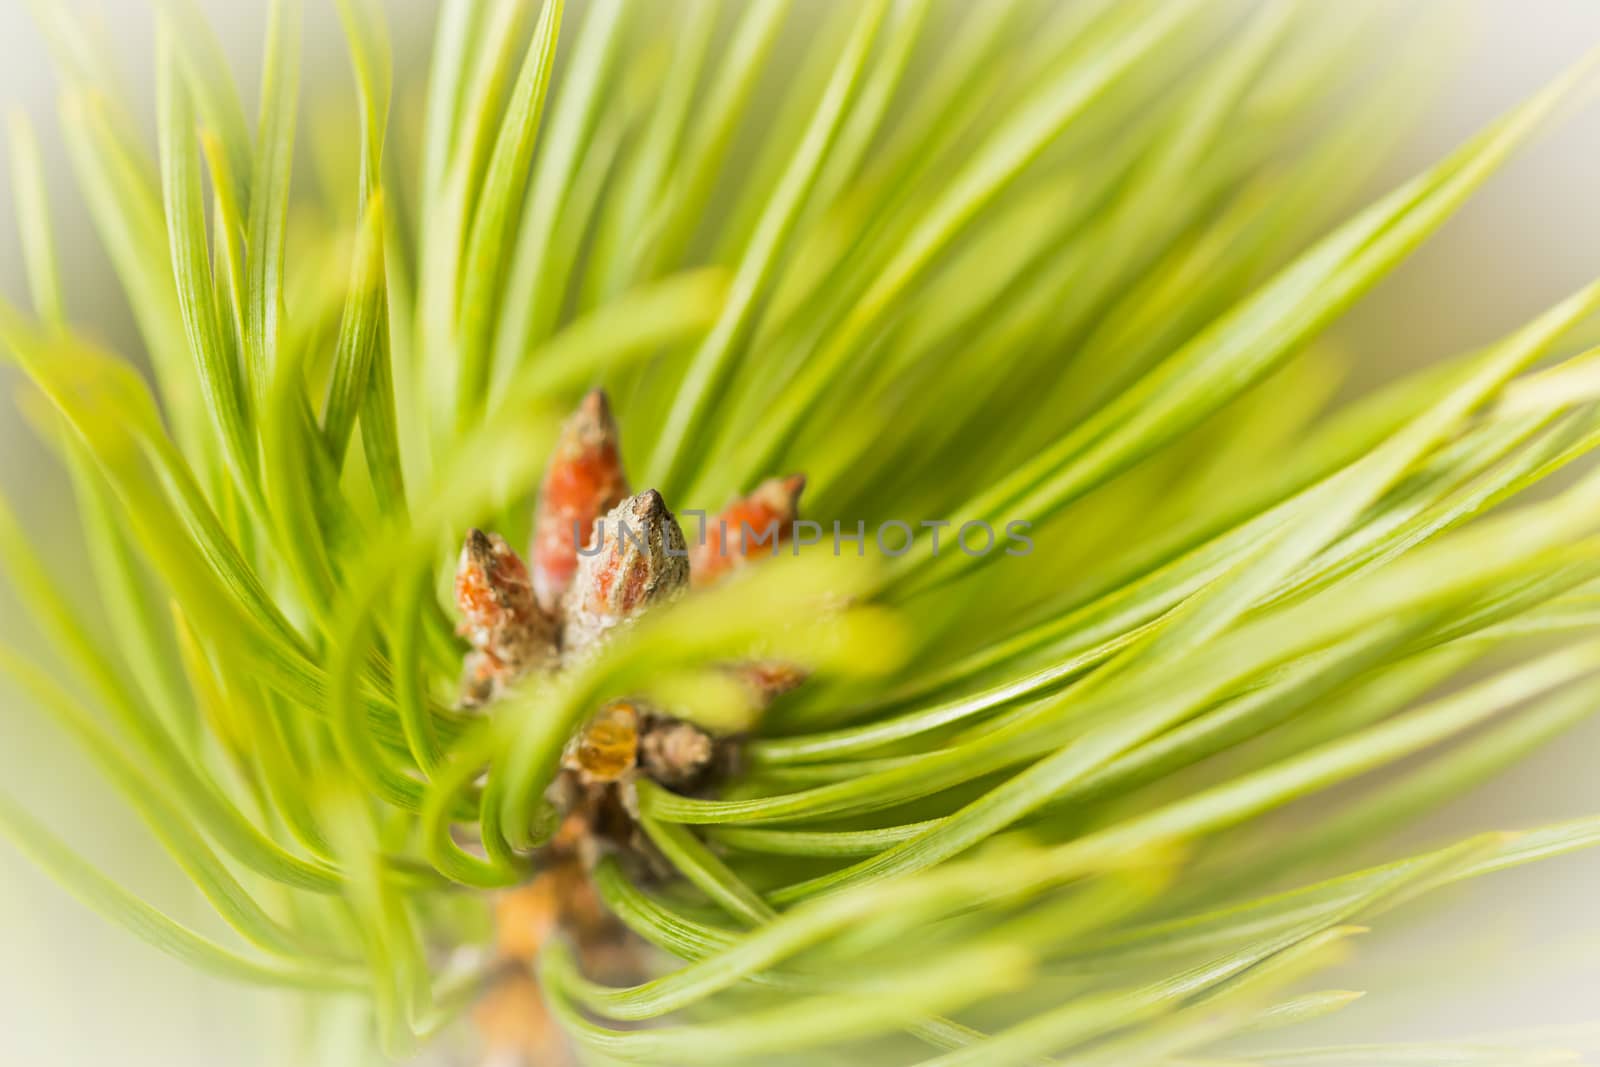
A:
750	528
499	615
582	482
636	557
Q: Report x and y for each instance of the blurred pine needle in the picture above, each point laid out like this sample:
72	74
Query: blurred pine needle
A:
1063	264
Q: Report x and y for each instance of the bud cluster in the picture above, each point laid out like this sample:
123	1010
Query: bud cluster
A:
601	557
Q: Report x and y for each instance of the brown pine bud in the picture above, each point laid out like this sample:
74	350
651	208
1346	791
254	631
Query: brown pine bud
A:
584	915
525	917
607	747
499	617
636	558
751	527
583	481
675	753
516	1027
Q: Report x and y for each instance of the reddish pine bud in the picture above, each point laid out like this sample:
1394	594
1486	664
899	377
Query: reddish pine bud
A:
583	481
636	558
499	617
768	679
750	528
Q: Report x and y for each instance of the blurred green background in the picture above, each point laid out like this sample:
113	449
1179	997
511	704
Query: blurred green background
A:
1519	950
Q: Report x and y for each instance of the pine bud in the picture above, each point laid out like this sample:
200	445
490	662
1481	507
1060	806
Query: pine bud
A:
675	753
637	557
516	1027
768	679
526	917
499	617
751	527
583	481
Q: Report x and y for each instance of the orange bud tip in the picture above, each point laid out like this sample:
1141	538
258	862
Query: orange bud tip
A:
750	528
583	481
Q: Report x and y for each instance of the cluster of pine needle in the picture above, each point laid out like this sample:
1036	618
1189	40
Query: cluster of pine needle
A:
1023	261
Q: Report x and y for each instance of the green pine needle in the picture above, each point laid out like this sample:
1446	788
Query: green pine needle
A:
1024	262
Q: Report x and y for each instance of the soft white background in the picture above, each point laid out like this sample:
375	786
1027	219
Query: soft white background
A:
1519	951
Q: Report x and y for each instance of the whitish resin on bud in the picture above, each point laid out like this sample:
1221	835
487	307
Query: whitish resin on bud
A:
637	557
